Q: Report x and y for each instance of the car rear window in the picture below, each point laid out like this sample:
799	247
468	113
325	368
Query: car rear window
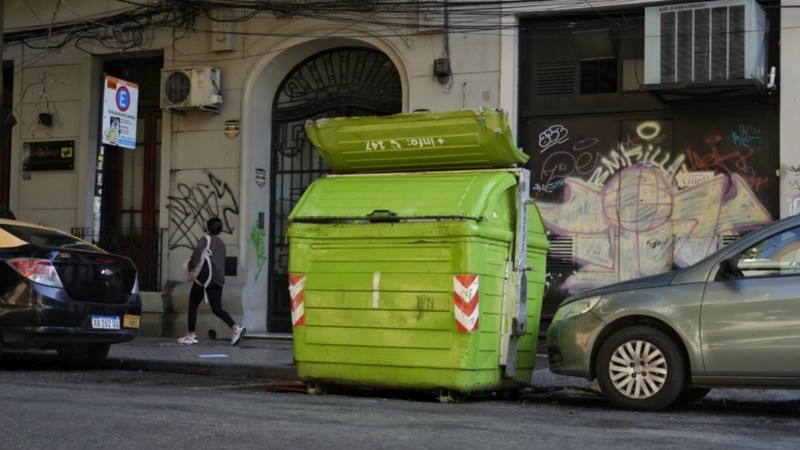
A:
42	237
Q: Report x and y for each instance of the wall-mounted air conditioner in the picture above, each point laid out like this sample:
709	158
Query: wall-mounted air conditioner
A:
196	87
704	41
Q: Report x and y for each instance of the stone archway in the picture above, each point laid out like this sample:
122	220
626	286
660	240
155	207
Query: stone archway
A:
341	81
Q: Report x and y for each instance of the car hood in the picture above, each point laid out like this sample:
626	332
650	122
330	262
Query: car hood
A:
661	279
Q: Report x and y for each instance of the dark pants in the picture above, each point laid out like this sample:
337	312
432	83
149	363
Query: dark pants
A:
214	293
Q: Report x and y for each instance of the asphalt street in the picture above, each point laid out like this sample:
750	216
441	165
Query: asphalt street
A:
273	359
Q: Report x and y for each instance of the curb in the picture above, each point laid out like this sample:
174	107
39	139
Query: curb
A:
277	373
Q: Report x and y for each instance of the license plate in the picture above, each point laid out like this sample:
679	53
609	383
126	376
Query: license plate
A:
130	321
105	322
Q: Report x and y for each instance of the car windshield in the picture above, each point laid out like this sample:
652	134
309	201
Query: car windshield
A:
42	237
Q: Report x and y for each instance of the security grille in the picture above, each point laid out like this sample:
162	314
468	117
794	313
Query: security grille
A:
340	82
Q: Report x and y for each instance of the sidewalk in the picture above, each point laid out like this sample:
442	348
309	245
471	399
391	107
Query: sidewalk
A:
269	358
254	357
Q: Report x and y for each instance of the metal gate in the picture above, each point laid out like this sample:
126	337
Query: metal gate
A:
344	81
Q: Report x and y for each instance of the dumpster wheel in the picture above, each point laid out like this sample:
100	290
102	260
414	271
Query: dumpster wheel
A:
450	396
509	394
317	389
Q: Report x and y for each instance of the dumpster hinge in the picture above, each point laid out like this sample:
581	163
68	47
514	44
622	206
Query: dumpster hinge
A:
518	279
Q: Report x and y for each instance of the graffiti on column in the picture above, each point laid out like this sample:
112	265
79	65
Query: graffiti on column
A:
641	208
794	186
258	236
794	183
193	205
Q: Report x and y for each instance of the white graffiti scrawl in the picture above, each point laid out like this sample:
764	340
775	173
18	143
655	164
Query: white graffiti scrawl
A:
639	224
556	134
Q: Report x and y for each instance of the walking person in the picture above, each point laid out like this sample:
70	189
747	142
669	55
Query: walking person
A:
209	258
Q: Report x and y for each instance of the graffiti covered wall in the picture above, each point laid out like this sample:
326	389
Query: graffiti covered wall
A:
631	197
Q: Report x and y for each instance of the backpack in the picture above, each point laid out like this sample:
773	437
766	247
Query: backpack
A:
205	261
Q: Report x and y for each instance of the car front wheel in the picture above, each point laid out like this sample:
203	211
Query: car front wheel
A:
640	368
83	355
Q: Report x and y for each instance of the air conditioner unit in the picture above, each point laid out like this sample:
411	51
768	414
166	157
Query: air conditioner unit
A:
704	42
196	87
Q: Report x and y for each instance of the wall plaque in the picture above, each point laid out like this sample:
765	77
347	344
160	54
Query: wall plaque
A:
48	155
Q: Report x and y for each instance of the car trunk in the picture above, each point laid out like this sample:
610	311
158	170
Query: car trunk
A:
96	278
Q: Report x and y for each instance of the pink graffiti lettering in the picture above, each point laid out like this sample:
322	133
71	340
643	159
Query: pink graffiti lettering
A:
559	165
585	143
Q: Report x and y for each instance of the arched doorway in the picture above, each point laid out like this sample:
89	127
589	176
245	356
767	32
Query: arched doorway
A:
343	81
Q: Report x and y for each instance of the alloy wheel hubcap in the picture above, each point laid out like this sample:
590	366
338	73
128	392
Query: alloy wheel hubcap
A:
638	369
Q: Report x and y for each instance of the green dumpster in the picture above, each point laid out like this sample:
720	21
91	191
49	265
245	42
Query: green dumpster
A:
417	280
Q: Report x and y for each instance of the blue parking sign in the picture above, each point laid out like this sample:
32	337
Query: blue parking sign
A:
123	98
119	113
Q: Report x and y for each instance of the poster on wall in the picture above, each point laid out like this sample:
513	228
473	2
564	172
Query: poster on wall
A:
120	100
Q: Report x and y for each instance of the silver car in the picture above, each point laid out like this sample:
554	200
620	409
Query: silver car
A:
730	320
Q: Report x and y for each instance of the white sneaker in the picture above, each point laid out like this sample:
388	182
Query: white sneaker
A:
188	340
238	332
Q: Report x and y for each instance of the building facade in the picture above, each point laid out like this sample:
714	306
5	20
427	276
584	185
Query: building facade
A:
635	172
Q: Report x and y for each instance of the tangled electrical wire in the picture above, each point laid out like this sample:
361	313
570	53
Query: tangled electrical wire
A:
129	29
119	31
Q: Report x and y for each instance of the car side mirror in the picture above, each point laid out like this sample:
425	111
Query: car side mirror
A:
729	269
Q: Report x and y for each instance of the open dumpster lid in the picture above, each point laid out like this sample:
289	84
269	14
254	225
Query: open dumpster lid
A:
420	141
401	196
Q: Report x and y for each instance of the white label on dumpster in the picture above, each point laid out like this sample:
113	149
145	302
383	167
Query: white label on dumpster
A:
415	143
376	289
465	296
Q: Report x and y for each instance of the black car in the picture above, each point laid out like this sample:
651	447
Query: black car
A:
60	292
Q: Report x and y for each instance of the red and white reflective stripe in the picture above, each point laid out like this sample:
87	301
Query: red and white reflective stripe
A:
465	295
297	292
